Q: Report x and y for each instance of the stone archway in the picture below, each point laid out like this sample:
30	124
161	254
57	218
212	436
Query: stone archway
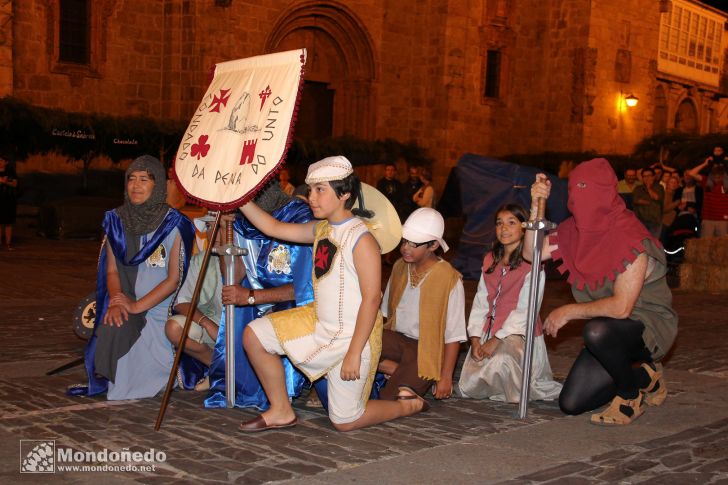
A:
686	117
340	68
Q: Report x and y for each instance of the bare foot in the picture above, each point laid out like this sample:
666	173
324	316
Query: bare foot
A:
203	385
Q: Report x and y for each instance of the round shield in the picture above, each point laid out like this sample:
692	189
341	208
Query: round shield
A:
385	226
84	317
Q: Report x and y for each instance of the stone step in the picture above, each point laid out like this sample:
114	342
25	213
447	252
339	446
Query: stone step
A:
706	265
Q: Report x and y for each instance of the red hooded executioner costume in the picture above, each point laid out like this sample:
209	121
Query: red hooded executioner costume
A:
602	236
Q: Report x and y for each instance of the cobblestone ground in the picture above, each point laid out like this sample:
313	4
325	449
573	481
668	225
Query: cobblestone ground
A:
697	455
43	281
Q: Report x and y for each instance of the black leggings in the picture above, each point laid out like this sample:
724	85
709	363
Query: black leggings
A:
604	368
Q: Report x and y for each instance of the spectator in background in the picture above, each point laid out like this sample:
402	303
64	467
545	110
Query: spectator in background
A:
716	158
715	200
690	193
285	179
665	178
425	195
629	182
648	199
704	173
685	226
410	188
670	203
663	172
8	201
391	187
658	171
626	186
676	177
393	190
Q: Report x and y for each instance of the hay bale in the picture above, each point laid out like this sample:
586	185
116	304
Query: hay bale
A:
693	277
717	279
691	250
698	250
719	251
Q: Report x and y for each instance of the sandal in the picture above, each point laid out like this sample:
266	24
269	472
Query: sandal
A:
620	412
414	395
258	424
656	391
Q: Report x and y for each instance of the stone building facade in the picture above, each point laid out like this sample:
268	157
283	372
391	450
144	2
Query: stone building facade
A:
486	76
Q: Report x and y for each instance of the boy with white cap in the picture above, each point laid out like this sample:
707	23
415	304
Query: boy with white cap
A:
339	335
425	305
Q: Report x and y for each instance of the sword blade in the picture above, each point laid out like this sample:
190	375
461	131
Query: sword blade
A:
230	335
531	326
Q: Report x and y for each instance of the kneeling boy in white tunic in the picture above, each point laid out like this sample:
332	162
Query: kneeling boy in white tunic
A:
340	334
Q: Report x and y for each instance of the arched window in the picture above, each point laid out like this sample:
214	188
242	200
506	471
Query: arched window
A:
686	118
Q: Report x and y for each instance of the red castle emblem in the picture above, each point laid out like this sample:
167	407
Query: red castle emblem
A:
248	151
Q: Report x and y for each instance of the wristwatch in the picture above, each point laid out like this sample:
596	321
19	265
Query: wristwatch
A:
251	297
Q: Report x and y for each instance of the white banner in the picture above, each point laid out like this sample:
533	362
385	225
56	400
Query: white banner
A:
240	133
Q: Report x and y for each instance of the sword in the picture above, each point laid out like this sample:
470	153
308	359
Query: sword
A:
228	252
540	225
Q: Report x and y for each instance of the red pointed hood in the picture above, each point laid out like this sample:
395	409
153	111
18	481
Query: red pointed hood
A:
602	235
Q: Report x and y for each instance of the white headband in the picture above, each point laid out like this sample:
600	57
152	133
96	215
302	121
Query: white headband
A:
330	168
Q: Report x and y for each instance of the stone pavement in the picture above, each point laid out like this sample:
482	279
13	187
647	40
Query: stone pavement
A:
458	441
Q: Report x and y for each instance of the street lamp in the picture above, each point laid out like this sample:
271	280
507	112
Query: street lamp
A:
631	101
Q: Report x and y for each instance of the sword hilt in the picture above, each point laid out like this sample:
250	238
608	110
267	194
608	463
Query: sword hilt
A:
229	233
541	208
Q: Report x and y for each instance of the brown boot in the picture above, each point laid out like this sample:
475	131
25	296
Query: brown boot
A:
650	395
620	411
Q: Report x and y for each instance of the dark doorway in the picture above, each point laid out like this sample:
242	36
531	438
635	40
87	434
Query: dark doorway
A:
316	112
686	119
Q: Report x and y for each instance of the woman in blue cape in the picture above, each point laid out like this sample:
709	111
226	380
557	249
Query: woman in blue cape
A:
142	264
